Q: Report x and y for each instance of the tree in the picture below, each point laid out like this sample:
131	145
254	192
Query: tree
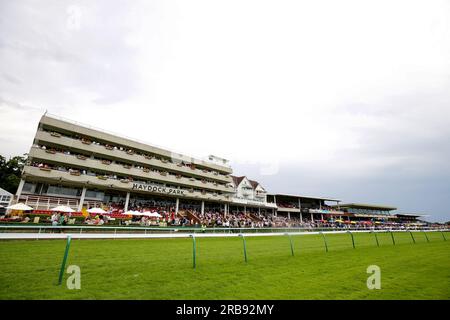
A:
10	172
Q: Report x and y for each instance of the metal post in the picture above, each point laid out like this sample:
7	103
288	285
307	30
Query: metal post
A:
376	238
19	189
353	240
428	240
324	240
83	195
245	246
63	265
127	201
193	250
292	246
392	236
414	240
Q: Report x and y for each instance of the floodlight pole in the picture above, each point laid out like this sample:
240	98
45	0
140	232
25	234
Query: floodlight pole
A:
428	240
353	240
414	240
324	240
63	265
193	250
245	246
290	241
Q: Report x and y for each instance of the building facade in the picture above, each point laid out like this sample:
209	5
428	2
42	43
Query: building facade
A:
250	196
5	200
82	167
79	166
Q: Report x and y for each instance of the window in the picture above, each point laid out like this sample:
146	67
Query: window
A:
28	187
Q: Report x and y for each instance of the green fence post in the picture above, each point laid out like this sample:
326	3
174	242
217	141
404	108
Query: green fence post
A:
245	246
193	250
325	241
292	246
443	236
376	238
63	265
392	236
428	240
414	240
353	240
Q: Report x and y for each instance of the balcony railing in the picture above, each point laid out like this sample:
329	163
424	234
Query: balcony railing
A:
107	166
55	118
135	158
106	182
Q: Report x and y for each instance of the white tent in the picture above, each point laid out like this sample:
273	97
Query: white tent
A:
62	209
97	211
154	214
134	213
20	207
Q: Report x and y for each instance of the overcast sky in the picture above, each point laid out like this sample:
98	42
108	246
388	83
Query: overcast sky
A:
344	99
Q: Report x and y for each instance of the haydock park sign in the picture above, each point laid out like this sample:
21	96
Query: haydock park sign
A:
157	189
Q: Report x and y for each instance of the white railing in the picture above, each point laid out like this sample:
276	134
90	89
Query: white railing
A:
110	232
46	203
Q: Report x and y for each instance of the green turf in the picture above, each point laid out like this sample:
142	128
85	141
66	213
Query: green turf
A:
162	268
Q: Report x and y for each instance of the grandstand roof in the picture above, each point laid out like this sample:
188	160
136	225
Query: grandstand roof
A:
253	183
3	192
411	215
237	180
304	197
366	206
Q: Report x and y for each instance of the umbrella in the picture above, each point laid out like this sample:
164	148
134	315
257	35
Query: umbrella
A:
134	213
154	214
20	207
62	209
96	211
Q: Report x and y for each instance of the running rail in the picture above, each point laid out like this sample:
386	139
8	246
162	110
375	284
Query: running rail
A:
96	232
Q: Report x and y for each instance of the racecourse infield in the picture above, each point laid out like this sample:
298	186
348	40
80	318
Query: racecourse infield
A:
416	268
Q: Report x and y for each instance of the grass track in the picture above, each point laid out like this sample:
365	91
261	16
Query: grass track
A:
162	268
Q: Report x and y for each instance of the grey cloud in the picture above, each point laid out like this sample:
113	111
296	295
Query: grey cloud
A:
39	47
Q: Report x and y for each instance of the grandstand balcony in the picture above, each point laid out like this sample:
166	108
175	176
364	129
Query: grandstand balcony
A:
76	144
56	176
118	169
38	202
71	127
283	209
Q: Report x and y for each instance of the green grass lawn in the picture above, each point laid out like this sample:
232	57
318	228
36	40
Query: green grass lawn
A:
162	268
